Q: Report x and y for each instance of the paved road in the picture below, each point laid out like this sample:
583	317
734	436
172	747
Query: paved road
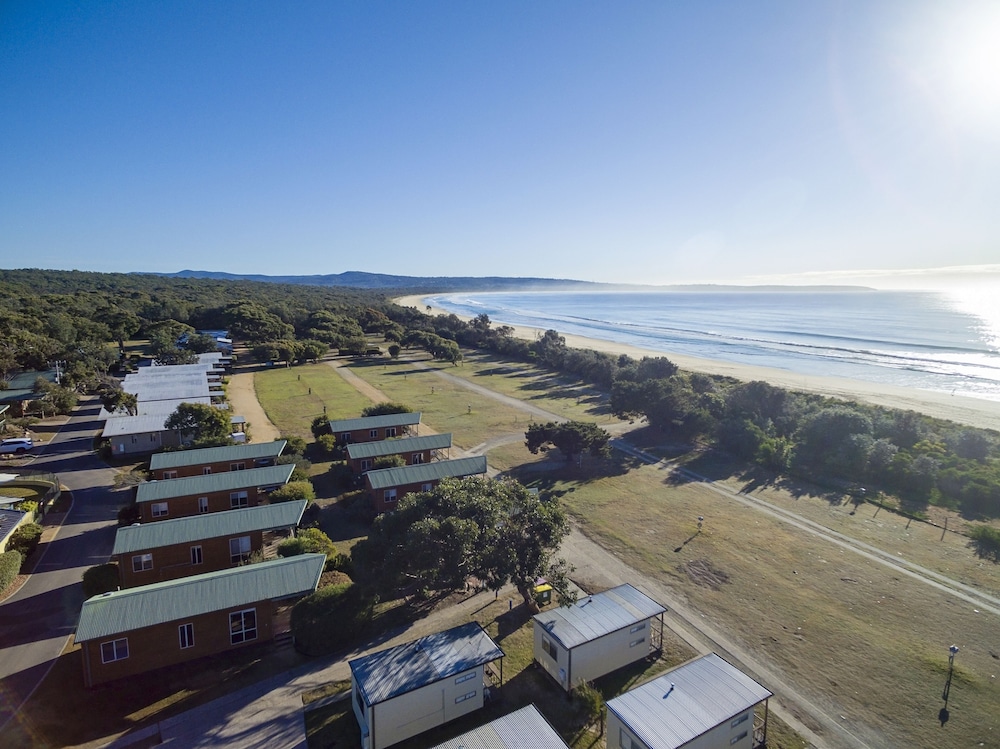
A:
37	620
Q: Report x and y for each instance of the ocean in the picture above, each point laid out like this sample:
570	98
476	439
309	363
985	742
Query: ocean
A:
941	341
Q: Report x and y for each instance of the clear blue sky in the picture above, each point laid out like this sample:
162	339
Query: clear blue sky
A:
644	142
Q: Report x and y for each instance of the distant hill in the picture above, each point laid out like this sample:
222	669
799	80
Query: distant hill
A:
360	280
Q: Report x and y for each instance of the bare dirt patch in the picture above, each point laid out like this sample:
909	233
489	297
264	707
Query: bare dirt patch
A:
701	572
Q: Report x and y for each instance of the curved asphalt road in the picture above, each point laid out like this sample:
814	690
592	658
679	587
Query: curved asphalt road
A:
36	622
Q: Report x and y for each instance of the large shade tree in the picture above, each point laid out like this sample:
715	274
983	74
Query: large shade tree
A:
494	530
206	426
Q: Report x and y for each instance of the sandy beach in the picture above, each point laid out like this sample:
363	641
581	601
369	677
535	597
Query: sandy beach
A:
973	411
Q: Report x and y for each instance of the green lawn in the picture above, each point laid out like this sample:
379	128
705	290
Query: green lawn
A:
293	397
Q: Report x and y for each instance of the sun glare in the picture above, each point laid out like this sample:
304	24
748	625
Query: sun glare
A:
971	66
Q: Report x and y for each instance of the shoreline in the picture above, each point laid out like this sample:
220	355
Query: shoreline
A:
976	412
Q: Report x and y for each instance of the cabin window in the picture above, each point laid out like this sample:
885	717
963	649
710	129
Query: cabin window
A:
373	434
115	650
390	432
426	487
550	649
389	496
185	633
243	626
196	556
466	677
417	459
160	509
742	719
206	471
238	499
345	437
237	466
737	739
366	465
637	642
626	740
464	697
637	628
239	549
202	504
142	562
170	474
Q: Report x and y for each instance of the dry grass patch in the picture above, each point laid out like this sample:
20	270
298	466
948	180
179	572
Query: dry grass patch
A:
858	639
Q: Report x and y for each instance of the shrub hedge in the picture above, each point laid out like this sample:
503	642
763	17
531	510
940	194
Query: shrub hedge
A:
10	566
100	579
330	619
25	539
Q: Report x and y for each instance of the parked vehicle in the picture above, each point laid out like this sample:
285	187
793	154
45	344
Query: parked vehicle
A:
16	445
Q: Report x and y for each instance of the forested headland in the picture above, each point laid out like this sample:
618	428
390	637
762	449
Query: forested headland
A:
82	320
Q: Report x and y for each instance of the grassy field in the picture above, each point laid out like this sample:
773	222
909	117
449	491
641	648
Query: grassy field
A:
471	417
863	641
293	397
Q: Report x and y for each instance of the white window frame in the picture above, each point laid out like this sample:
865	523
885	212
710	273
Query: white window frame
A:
389	496
243	633
466	677
373	434
416	459
239	555
197	557
142	562
118	652
206	470
239	500
185	635
429	487
160	509
202	505
466	696
237	466
390	432
170	474
366	464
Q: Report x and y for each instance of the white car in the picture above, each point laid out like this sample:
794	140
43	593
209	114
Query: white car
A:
16	445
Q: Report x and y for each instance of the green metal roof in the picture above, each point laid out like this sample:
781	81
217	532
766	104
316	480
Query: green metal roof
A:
252	451
123	611
375	422
191	486
395	446
137	537
441	469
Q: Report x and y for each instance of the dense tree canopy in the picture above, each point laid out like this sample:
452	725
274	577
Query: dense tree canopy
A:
494	530
571	438
206	426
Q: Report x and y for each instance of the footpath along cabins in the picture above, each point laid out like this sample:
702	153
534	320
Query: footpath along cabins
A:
522	729
215	492
361	456
387	486
181	547
131	631
597	635
706	703
403	691
374	428
203	461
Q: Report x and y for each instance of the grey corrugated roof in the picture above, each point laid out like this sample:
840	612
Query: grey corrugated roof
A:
132	538
598	615
123	426
214	482
522	729
706	692
161	389
441	469
9	520
375	422
147	408
125	610
395	671
251	451
175	370
395	446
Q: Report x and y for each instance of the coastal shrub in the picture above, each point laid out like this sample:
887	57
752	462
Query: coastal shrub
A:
386	407
388	461
986	541
28	506
10	566
100	579
330	619
293	491
25	539
309	541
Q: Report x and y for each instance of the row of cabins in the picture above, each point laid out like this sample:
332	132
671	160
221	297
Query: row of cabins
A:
707	703
184	592
368	438
159	390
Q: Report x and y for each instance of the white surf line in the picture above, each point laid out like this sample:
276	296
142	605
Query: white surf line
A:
941	582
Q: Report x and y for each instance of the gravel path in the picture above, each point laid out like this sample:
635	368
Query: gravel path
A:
243	399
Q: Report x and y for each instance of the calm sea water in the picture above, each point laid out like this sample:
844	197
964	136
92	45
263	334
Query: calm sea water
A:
933	341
